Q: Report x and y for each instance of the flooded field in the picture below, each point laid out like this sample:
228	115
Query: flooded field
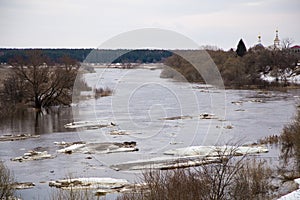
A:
145	117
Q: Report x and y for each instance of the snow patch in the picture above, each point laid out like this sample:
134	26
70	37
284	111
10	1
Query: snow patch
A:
286	75
295	195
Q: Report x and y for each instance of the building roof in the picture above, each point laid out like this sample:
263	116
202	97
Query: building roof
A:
295	47
259	45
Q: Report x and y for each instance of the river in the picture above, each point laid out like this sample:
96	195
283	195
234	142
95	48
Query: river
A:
159	114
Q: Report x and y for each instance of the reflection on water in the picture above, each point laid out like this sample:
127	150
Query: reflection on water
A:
36	123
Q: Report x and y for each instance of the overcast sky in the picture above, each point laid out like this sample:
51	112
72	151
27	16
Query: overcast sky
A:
88	23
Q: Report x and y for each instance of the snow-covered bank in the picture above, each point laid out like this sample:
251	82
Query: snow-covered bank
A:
288	75
295	195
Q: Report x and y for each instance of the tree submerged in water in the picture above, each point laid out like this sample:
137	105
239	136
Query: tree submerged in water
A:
36	81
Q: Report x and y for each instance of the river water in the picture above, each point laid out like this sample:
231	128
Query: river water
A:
140	104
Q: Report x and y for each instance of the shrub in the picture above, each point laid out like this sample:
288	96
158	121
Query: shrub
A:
100	92
252	181
60	194
233	178
291	142
6	182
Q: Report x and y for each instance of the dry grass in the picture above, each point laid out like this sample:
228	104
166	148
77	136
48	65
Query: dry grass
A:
233	178
291	142
60	194
6	182
272	139
100	92
71	193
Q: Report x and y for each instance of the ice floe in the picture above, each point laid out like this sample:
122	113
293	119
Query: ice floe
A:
189	156
24	185
119	132
89	183
177	117
89	124
217	150
33	155
17	137
165	162
208	116
107	147
100	186
72	148
66	144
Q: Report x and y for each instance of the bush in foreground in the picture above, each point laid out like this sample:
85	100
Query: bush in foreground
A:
291	142
6	182
233	178
60	194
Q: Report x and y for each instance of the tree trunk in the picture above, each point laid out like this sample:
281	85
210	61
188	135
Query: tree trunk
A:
37	103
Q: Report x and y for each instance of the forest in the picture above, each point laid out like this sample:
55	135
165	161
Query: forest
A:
103	55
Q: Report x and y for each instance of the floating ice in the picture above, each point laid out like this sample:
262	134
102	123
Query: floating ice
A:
33	155
108	147
89	183
89	124
189	156
217	150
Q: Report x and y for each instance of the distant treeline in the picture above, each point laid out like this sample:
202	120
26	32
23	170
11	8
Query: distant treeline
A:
91	55
54	55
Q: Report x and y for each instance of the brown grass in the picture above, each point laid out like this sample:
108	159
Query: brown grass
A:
72	194
103	92
291	142
234	178
272	139
6	182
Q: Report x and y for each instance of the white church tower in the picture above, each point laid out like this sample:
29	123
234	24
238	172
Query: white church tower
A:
276	41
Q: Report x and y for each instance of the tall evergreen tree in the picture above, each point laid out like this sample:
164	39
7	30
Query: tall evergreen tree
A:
241	48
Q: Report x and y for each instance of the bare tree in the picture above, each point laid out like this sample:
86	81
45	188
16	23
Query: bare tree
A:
287	42
41	82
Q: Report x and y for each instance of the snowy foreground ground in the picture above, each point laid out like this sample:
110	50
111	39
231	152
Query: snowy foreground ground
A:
295	195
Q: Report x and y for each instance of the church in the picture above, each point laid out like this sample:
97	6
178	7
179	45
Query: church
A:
275	46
